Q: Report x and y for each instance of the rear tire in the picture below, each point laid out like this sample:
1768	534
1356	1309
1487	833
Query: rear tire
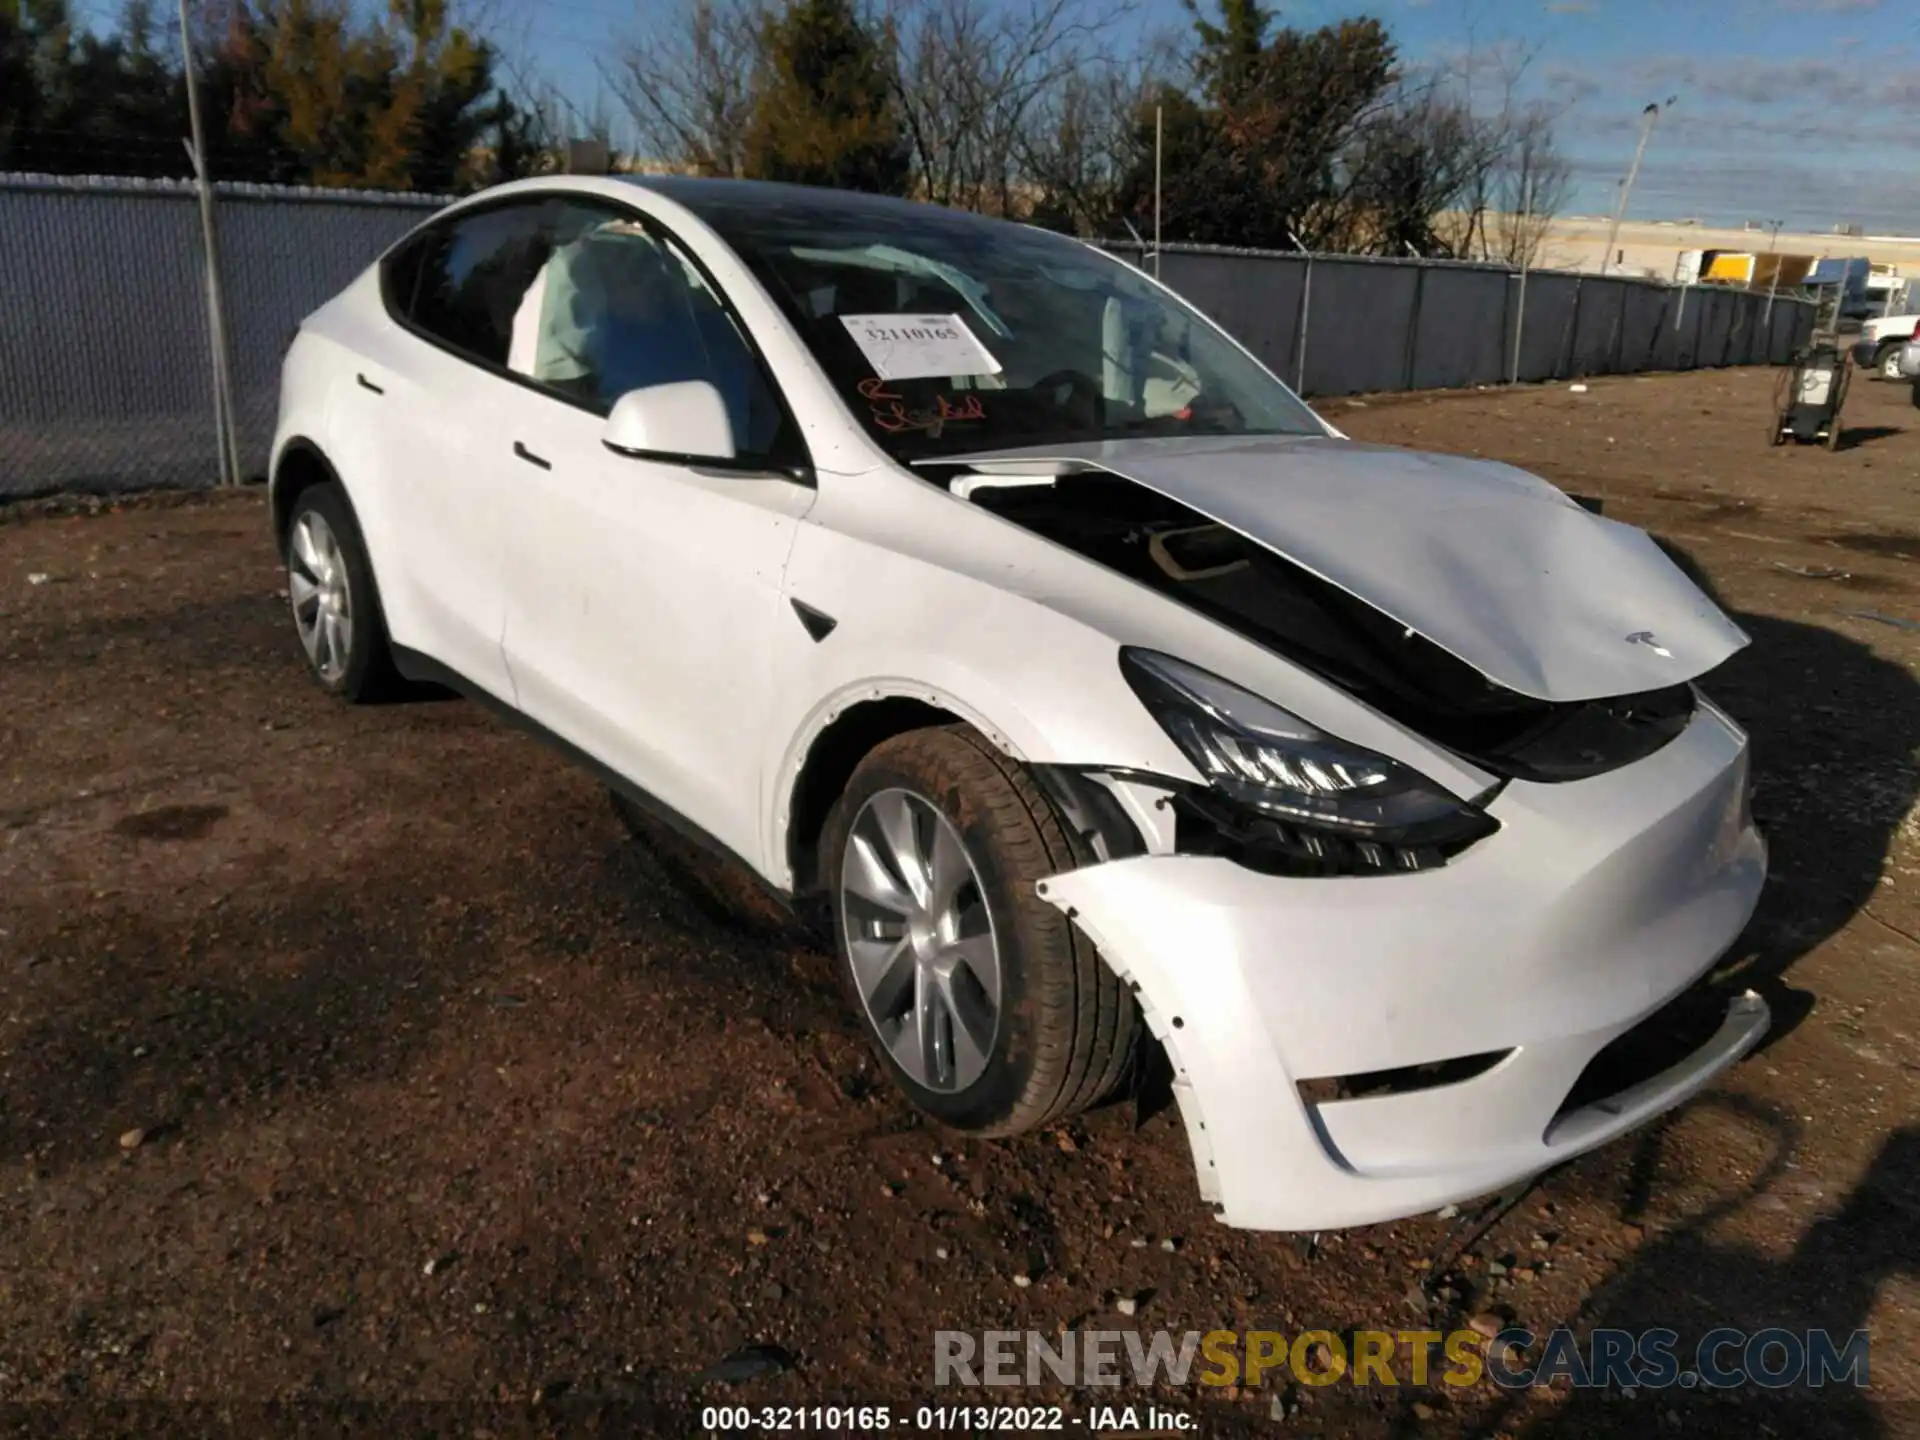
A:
335	603
1062	1029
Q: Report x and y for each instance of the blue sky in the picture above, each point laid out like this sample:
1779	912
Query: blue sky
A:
1806	111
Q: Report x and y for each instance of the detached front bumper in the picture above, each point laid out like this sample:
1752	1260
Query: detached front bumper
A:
1595	904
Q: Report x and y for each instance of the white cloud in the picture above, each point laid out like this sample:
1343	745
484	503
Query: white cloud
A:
1569	85
1807	193
1763	82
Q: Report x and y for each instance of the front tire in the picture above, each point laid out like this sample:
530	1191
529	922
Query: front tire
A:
990	1010
1886	360
336	607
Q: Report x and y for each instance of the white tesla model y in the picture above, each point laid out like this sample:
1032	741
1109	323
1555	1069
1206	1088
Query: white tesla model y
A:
960	578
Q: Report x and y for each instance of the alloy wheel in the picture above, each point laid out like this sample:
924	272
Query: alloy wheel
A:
322	598
920	939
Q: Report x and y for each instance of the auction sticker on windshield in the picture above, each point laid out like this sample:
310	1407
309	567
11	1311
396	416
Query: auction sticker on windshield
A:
919	347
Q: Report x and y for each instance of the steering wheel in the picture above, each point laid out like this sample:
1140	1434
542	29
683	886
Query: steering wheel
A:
1203	409
1079	386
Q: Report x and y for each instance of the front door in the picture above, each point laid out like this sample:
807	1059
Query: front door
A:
643	596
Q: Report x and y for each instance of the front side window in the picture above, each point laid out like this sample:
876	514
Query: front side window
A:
947	334
618	307
587	302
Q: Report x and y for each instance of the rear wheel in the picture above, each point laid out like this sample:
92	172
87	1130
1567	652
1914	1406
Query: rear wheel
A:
992	1013
336	608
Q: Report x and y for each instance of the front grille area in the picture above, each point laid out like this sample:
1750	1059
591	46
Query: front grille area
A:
1659	1042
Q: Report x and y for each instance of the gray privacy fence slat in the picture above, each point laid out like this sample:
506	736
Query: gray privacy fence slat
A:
1454	345
106	382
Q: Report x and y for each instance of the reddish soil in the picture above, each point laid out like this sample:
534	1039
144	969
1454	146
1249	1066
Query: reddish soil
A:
352	1057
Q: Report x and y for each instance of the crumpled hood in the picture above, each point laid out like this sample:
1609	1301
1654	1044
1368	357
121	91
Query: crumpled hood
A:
1488	562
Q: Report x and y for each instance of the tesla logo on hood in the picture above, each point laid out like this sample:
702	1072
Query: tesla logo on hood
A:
1651	641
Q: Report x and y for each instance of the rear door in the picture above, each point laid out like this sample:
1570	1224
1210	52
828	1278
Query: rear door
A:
431	390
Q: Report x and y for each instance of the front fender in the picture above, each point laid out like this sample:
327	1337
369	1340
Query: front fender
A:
1043	687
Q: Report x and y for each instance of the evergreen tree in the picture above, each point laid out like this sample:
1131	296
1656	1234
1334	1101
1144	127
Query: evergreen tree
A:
1256	158
824	113
1228	63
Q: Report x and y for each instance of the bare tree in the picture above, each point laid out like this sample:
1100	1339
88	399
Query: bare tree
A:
1531	182
689	84
1088	135
975	77
1519	180
1404	173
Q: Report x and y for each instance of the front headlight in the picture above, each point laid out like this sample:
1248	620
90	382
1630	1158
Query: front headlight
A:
1277	765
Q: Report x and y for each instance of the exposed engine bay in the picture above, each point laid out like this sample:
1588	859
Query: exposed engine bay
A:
1240	583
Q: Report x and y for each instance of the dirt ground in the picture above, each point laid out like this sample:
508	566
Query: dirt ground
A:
356	1057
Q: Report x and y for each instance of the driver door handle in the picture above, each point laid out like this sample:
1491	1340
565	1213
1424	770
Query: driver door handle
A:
532	459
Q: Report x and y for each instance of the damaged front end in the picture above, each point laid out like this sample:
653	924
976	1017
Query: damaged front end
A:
1319	551
1283	796
1261	594
1555	646
1346	1053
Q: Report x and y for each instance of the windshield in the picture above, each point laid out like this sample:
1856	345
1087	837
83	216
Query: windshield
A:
948	334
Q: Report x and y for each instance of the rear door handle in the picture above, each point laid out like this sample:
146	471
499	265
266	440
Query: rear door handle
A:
366	384
532	459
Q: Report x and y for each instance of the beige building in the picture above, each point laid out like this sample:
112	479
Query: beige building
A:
1647	247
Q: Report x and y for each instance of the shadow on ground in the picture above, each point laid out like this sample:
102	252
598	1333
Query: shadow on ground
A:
1834	777
1832	726
1852	436
1688	1282
228	1014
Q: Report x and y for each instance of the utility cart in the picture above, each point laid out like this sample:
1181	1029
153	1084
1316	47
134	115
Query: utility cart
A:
1813	388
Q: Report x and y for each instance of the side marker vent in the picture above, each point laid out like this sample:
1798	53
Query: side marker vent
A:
819	624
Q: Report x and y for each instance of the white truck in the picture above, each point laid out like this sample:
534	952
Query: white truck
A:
1878	348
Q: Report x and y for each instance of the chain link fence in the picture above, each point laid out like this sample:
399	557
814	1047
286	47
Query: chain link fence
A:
106	372
1352	324
106	377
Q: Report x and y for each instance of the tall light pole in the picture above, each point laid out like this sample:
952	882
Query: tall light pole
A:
223	403
1773	279
1526	254
1648	118
1157	139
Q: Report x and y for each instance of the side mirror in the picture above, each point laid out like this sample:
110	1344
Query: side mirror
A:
686	420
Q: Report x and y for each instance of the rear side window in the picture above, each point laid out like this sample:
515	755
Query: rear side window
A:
400	274
462	282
